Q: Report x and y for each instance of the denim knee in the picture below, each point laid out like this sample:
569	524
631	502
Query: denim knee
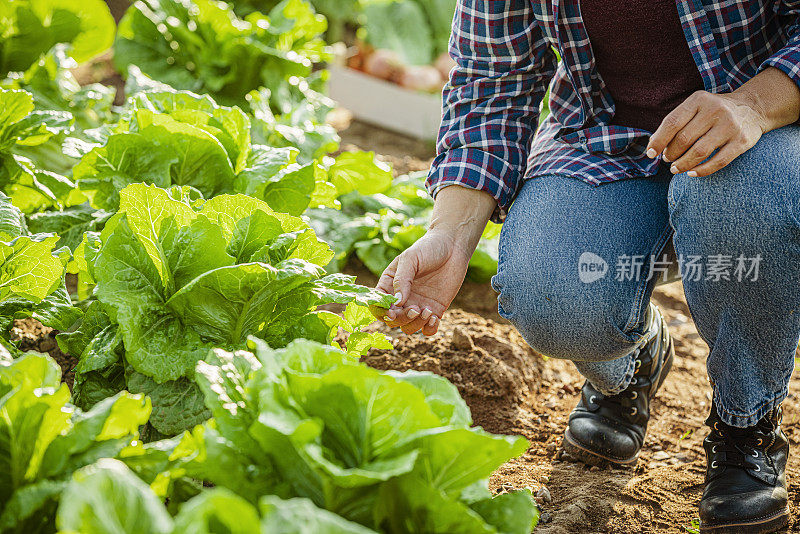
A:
751	204
585	323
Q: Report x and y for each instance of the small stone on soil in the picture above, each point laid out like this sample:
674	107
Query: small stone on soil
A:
543	495
660	456
545	517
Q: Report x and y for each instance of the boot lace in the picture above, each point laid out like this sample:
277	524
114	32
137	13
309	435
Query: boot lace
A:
740	446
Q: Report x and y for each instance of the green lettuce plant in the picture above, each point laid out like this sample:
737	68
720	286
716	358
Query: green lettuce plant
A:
202	46
29	28
377	227
31	275
395	452
107	498
44	439
176	276
179	138
54	88
21	126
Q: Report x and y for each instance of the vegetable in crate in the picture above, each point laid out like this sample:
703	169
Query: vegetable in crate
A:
395	452
44	439
176	275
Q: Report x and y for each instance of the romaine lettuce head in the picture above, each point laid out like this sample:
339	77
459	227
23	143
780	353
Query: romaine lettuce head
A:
394	452
176	277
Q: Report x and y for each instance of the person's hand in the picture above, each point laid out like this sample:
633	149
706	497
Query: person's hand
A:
425	278
705	123
708	131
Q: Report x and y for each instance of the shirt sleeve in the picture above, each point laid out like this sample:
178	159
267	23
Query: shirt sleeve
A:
491	103
787	58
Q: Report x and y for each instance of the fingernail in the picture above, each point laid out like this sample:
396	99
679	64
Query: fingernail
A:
398	296
665	158
412	314
651	153
432	321
426	313
674	170
386	319
693	174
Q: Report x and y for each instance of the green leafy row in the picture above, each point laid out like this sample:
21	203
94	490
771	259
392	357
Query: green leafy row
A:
394	452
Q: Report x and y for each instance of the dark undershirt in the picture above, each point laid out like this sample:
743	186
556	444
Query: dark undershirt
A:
642	56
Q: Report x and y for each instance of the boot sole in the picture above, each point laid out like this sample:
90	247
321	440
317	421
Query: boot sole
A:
587	456
764	526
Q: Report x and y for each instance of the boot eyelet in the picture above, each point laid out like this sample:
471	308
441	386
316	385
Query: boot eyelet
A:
716	427
760	441
635	395
592	400
634	410
714	464
758	468
638	363
713	449
633	381
755	455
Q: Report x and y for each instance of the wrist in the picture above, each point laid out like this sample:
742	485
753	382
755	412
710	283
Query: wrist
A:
773	96
461	214
462	235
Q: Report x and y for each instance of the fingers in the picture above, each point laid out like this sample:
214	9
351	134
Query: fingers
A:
431	327
403	316
700	150
684	140
677	119
411	321
723	157
406	271
418	322
385	283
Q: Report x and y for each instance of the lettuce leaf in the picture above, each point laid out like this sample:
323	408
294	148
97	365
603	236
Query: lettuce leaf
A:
175	278
32	27
43	439
393	452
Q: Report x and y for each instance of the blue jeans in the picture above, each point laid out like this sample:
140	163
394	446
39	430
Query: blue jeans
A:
578	264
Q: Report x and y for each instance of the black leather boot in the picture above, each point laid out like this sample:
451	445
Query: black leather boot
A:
610	429
745	489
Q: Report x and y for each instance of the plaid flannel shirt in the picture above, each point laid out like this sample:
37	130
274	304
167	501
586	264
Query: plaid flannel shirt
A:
505	55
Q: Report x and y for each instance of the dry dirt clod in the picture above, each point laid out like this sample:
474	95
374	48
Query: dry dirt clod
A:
545	518
462	340
660	456
543	495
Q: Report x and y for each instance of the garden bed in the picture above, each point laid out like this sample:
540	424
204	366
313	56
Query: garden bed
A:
512	390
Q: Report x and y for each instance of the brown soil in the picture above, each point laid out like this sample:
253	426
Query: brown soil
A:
513	390
30	334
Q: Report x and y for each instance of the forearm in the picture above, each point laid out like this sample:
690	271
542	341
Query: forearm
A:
463	214
774	95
